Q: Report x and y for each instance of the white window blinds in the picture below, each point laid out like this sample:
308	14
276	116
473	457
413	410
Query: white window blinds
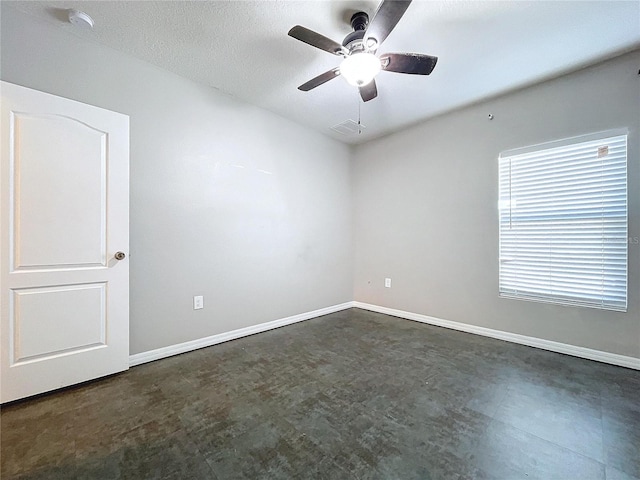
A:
563	222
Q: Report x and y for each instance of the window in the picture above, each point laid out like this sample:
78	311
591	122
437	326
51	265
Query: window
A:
563	222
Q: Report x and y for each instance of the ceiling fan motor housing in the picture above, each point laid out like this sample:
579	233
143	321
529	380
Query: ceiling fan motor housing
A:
359	21
353	41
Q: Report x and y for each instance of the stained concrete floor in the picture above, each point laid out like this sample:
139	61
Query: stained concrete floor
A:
352	395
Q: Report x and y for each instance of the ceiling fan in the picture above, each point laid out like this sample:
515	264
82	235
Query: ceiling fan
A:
360	64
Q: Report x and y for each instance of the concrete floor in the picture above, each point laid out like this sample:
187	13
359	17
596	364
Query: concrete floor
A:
354	395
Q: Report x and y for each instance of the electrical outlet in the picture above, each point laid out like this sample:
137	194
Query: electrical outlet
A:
387	282
198	302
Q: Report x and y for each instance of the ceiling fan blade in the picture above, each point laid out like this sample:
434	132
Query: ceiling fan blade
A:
319	80
316	40
368	91
413	63
385	19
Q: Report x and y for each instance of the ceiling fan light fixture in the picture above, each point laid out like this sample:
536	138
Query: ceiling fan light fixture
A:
360	68
361	65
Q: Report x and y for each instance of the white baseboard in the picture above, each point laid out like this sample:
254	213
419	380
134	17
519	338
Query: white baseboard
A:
157	354
582	352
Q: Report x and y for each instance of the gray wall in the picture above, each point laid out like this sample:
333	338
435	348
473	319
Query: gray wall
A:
261	246
227	200
425	208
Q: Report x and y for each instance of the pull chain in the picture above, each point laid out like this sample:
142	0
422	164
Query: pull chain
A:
359	125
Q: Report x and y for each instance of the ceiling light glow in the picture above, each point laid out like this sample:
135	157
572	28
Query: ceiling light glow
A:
360	68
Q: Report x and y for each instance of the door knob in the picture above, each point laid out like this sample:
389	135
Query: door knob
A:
120	256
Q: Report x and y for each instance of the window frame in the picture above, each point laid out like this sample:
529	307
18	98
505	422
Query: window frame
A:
560	297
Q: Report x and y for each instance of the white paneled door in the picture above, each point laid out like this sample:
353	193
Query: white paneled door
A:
64	187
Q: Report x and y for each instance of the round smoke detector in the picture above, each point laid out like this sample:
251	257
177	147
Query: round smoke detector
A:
80	19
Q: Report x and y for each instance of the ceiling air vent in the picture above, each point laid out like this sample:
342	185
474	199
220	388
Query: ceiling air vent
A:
348	127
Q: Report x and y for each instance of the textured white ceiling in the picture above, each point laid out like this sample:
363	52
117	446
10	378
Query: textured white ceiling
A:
242	48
